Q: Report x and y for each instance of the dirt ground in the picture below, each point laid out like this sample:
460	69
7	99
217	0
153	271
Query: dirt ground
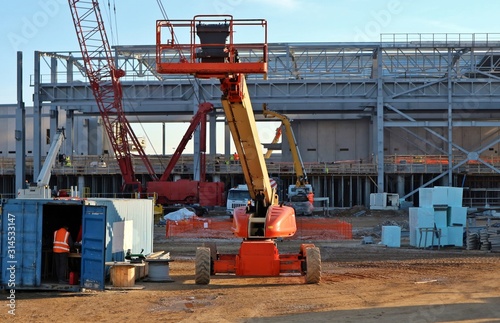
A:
360	283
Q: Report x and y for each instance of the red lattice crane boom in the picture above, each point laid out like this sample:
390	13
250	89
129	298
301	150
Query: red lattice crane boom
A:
198	119
104	80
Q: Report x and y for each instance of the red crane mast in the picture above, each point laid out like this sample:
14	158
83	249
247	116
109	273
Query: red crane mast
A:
105	83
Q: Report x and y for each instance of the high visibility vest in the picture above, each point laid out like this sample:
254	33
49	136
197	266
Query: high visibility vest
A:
61	237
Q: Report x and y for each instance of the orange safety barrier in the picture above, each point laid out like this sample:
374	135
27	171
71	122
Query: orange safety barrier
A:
200	228
174	228
307	228
323	229
437	159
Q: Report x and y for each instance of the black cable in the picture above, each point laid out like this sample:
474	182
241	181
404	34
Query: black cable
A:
165	17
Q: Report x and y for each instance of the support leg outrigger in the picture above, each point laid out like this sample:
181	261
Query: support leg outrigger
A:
259	258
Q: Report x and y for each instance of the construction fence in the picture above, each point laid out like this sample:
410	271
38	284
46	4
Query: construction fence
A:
308	228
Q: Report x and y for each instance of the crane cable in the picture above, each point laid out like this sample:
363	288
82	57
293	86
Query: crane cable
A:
116	21
113	16
197	94
162	9
165	17
110	15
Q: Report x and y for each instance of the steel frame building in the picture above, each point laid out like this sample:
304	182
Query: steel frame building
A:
423	108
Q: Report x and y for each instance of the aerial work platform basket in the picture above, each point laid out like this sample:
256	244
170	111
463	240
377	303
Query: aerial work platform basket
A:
212	51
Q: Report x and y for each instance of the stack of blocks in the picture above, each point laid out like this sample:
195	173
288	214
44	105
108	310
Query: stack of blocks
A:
440	208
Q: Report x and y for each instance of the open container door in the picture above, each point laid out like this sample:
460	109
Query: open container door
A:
21	244
93	247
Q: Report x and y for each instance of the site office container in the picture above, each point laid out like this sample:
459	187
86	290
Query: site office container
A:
108	226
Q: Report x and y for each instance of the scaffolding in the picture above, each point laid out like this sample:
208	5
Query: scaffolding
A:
417	94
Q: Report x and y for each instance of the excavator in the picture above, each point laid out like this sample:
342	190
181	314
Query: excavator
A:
213	54
300	194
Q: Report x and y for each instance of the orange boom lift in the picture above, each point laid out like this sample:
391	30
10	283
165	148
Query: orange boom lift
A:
213	53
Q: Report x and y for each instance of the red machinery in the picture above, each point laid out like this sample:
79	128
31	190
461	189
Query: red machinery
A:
185	190
105	83
265	219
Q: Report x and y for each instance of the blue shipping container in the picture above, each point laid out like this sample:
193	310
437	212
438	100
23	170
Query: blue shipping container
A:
27	228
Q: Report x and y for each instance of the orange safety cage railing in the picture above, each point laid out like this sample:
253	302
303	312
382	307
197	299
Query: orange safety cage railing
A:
212	51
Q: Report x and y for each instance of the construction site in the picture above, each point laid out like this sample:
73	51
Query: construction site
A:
376	200
411	111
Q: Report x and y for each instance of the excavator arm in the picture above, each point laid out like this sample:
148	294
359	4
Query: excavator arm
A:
297	158
46	171
276	138
42	189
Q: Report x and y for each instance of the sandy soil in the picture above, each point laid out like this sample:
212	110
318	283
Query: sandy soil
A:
360	283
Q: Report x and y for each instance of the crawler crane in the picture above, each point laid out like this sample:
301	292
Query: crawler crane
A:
104	78
265	219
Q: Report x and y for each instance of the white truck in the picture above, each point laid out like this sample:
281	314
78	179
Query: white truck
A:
237	196
299	200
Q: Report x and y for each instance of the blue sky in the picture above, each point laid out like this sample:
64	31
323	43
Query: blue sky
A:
46	25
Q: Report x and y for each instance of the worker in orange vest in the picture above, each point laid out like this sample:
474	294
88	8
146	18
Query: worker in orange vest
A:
236	157
62	244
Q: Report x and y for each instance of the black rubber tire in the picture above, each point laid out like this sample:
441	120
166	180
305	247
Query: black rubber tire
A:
313	265
202	266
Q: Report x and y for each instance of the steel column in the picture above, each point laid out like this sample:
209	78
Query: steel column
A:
380	124
37	119
213	134
196	135
450	118
20	134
